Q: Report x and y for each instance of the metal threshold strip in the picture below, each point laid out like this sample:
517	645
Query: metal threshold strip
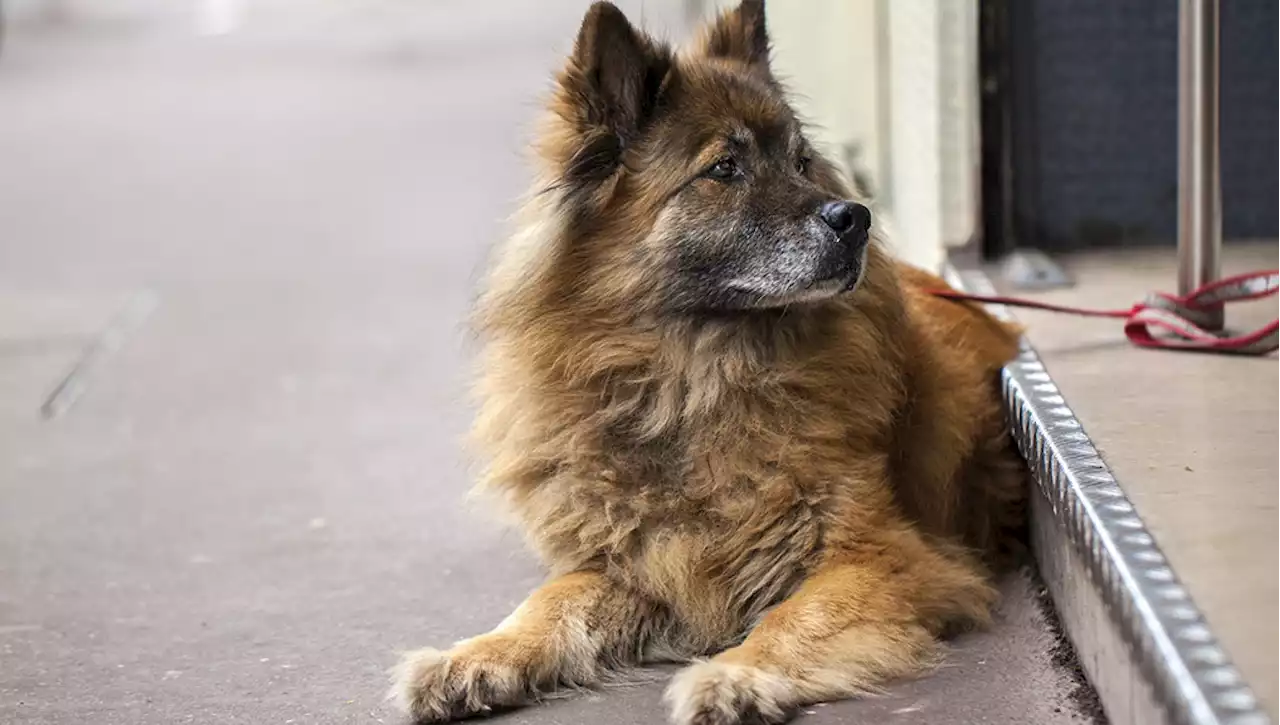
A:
1144	644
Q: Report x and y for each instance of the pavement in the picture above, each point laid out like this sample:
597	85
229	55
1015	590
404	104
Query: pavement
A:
233	273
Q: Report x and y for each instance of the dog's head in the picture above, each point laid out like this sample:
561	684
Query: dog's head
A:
686	180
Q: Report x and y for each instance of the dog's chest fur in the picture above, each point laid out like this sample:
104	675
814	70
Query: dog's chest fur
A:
717	520
716	555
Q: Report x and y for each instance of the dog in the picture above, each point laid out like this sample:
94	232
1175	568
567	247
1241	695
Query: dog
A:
737	432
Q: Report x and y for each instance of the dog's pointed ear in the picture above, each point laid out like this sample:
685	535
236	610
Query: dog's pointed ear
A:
740	35
616	72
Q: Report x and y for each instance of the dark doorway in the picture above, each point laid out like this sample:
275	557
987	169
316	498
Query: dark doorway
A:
1079	122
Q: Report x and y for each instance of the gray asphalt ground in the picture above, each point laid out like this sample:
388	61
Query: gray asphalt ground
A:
233	272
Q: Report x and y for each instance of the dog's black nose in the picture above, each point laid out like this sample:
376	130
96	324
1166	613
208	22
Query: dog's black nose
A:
845	216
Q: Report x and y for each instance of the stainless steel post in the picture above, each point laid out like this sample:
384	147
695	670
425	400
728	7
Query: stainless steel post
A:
1199	172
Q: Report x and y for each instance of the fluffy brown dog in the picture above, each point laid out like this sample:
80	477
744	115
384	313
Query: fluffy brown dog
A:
730	425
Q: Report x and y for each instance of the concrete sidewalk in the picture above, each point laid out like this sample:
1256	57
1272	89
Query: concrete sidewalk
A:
252	493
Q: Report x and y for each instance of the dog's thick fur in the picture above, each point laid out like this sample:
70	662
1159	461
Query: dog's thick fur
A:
719	452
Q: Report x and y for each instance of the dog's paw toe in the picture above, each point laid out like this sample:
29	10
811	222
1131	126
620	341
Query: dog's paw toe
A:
420	686
433	686
718	693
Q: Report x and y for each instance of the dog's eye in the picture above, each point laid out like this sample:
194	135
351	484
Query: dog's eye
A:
723	170
802	165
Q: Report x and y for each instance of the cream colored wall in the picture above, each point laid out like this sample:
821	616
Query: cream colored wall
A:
895	80
834	55
826	52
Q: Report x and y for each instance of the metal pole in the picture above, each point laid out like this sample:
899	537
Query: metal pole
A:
1199	173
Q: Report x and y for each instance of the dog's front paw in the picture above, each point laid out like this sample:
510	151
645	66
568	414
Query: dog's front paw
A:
721	693
474	677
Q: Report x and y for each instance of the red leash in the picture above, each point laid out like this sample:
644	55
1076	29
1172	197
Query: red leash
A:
1182	319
